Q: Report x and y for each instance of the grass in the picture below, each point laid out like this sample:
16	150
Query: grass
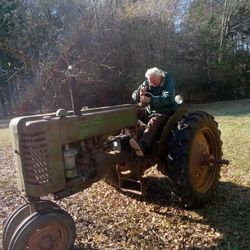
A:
106	219
4	133
5	137
231	213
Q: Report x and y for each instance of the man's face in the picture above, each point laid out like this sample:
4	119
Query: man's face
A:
155	80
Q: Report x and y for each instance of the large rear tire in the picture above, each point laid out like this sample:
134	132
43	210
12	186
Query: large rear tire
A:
193	175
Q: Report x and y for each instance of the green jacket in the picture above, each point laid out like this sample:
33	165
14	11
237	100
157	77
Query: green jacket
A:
162	97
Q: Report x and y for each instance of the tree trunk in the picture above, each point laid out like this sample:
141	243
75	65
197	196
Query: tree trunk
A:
223	23
9	99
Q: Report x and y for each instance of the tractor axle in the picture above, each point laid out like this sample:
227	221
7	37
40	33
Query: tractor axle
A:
209	159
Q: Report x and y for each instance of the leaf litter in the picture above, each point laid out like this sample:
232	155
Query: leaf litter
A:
108	219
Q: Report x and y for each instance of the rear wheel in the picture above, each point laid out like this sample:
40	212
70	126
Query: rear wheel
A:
195	145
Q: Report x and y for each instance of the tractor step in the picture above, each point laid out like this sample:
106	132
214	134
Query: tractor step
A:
132	186
131	182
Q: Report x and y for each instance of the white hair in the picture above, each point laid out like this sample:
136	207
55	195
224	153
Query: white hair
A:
154	72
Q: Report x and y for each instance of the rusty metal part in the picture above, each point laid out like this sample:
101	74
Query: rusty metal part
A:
210	160
19	215
130	180
51	228
52	236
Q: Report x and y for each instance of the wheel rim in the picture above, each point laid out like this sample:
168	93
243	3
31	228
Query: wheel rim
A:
52	236
201	174
19	215
48	229
14	220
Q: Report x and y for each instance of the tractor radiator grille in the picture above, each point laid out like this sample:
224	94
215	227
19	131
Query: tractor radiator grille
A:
35	159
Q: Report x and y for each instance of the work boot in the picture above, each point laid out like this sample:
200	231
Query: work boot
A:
137	146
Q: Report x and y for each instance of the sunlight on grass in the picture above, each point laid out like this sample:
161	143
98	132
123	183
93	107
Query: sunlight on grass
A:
236	145
5	139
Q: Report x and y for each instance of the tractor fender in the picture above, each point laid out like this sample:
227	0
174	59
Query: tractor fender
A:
170	125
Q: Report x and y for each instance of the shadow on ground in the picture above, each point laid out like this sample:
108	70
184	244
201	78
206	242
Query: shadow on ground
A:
228	213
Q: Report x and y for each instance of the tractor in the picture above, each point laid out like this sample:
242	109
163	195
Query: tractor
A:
62	153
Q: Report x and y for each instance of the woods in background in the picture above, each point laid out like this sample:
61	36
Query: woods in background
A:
205	44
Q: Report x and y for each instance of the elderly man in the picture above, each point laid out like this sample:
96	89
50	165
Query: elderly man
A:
157	94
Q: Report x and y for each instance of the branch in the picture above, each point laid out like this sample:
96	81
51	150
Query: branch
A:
17	54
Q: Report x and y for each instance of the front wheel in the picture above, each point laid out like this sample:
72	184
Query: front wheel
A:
45	230
191	164
19	215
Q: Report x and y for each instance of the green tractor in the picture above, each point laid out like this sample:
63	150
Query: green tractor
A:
62	153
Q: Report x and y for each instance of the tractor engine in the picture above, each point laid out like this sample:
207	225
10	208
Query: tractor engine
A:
62	153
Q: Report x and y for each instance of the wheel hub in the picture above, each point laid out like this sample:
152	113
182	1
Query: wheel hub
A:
201	172
47	238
